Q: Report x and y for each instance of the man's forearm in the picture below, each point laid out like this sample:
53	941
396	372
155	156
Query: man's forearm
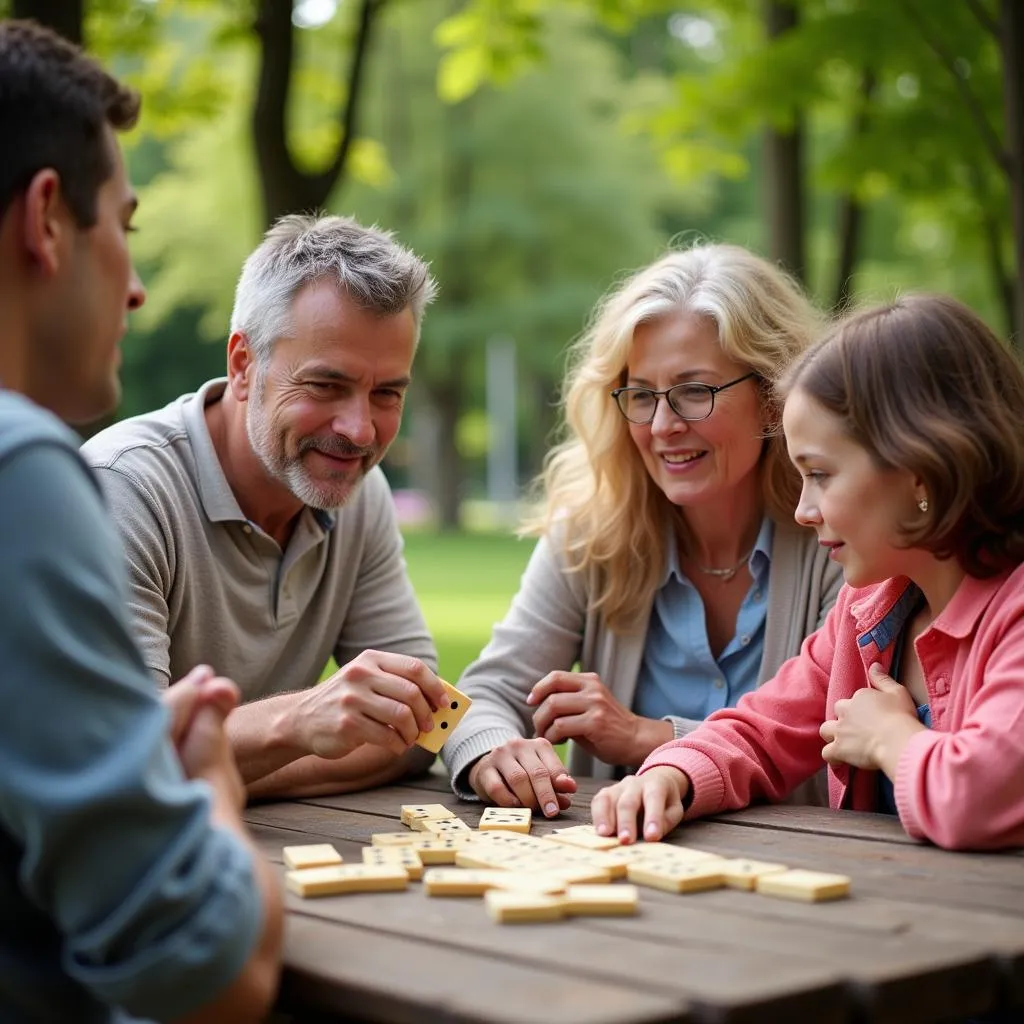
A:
365	767
260	738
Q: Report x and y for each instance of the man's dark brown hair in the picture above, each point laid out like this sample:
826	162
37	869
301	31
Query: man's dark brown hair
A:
54	105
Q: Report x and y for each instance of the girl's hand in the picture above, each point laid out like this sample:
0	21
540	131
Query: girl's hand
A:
873	726
654	800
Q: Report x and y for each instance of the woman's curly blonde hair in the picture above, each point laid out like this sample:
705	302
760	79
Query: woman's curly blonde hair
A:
595	493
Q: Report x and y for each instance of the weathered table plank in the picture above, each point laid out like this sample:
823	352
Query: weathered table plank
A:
928	935
361	975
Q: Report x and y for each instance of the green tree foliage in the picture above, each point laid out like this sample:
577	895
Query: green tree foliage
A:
903	99
527	202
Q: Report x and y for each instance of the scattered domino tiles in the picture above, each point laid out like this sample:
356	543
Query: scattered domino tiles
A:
445	720
315	855
508	907
390	856
416	815
344	878
808	886
526	878
506	819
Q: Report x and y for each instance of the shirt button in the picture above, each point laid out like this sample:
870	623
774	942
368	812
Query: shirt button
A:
719	683
942	684
247	528
744	640
757	595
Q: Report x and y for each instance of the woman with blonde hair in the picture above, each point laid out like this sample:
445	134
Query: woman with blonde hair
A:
905	424
669	569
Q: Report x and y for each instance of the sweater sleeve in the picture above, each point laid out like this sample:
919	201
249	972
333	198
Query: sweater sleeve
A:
765	746
542	632
962	789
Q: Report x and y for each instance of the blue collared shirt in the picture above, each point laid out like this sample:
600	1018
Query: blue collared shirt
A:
679	675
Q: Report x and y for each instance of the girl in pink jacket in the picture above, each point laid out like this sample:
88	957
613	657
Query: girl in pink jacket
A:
906	425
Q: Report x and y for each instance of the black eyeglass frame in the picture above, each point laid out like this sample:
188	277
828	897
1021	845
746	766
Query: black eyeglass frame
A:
667	395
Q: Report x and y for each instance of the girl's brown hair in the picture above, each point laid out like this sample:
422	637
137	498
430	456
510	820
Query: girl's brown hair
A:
924	385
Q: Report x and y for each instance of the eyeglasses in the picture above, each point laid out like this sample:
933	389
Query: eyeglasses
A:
689	401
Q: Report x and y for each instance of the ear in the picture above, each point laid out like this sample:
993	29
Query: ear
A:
919	489
45	221
241	366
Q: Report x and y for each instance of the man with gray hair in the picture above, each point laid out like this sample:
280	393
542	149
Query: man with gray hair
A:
260	531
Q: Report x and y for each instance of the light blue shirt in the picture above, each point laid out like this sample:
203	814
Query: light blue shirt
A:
118	899
679	676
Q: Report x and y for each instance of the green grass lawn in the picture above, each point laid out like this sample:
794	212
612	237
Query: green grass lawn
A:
465	583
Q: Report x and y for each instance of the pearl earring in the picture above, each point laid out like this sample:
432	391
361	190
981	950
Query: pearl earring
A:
923	504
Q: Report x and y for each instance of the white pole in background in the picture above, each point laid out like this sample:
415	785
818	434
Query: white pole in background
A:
502	469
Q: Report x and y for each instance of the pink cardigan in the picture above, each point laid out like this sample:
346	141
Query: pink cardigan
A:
959	784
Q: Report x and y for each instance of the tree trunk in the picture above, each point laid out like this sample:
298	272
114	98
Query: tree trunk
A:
284	188
457	270
63	16
851	212
446	397
1011	25
783	166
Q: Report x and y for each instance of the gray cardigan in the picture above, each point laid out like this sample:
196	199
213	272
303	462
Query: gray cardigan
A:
550	627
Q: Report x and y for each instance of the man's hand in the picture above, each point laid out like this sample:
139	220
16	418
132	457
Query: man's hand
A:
872	727
523	773
200	688
380	698
648	805
199	704
577	706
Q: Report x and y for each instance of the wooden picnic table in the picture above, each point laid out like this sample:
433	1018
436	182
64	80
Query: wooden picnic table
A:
927	935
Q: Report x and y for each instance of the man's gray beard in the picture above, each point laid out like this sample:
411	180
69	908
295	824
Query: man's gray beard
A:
289	471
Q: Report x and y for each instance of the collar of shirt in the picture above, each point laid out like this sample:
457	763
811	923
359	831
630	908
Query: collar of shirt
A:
760	558
882	612
218	500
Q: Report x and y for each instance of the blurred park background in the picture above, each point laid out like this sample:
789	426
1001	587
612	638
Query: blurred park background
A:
533	151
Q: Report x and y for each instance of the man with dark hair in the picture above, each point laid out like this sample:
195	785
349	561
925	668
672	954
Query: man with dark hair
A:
128	885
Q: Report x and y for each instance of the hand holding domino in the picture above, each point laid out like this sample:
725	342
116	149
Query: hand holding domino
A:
370	700
445	719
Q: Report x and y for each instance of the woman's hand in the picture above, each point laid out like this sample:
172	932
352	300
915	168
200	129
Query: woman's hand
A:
524	773
644	806
577	706
872	727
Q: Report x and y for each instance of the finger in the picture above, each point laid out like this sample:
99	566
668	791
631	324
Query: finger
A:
564	783
491	787
570	727
555	707
878	678
547	767
526	776
602	811
220	693
399	703
828	730
656	800
182	700
417	672
362	714
556	682
830	754
627	810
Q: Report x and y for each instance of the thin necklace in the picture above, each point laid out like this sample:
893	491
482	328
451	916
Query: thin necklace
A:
726	574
